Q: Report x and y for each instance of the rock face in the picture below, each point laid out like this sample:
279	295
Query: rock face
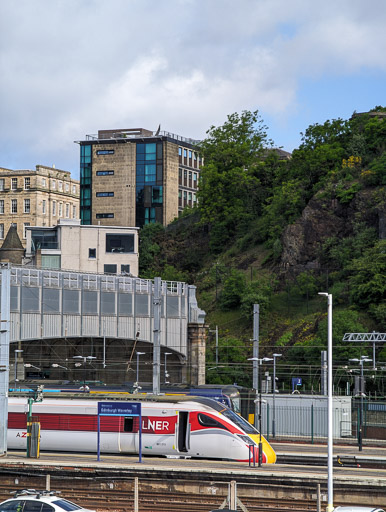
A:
324	218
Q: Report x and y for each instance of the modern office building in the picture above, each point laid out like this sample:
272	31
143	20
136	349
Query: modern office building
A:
70	246
37	197
134	177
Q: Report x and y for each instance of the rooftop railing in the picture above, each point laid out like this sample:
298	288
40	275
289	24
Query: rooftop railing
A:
128	135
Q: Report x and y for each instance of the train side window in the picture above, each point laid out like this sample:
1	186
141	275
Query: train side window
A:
207	421
128	424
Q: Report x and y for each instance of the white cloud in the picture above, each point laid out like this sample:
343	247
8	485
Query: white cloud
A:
71	68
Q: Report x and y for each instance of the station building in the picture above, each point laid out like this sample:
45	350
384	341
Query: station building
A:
37	197
133	177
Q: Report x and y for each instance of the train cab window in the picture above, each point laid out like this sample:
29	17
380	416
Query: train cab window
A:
207	421
128	424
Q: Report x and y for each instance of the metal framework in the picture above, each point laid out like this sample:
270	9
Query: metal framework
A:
372	337
369	337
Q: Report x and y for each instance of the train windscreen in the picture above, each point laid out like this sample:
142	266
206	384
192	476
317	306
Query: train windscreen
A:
239	421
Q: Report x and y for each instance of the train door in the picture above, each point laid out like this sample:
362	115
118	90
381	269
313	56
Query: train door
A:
183	432
128	435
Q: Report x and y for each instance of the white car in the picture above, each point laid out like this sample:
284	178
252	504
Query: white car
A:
357	509
39	501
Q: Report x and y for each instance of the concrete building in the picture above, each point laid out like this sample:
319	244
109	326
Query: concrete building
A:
134	177
37	197
70	246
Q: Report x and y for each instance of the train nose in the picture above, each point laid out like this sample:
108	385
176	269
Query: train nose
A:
269	456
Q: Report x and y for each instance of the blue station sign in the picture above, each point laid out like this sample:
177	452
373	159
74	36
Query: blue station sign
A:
119	409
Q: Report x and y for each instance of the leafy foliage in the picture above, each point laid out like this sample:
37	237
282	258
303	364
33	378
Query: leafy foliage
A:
247	197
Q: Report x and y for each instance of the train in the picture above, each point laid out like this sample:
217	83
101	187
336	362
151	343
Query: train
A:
181	426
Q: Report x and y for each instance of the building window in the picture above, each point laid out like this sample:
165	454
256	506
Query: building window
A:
74	189
27	206
60	185
53	184
119	243
13	183
67	187
14	206
1	231
60	214
105	194
105	152
105	173
44	182
110	269
27	183
104	215
185	153
125	269
74	212
54	208
2	184
92	253
67	211
25	225
1	205
44	207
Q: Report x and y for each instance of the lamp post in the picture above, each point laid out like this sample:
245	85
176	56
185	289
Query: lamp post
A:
361	361
258	398
138	354
273	396
17	352
166	373
330	495
84	359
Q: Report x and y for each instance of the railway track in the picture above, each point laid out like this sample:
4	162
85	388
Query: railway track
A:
115	500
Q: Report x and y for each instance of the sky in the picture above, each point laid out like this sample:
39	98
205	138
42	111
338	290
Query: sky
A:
72	67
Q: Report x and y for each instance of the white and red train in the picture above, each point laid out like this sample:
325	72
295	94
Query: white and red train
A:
189	426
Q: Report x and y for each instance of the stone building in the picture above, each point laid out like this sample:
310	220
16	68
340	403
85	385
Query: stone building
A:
37	197
134	177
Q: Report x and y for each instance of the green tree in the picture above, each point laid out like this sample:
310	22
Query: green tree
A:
149	248
368	276
228	188
233	290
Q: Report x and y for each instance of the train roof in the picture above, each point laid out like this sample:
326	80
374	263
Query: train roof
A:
125	397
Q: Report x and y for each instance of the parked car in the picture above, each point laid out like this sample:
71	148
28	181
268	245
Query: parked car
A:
29	500
357	509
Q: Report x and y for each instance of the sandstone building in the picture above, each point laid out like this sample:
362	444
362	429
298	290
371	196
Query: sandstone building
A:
37	197
133	177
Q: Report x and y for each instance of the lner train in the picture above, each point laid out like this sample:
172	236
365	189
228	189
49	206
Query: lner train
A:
171	426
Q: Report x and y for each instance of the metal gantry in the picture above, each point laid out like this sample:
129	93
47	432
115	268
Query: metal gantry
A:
366	337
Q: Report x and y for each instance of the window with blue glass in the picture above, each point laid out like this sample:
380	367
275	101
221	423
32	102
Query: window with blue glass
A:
149	178
105	194
85	183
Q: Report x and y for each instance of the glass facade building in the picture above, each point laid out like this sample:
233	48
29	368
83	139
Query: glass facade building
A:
85	183
149	176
